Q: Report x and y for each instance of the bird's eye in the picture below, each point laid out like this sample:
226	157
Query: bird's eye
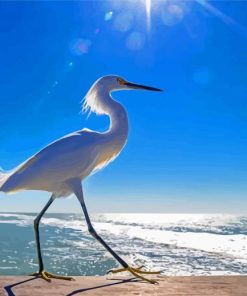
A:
120	81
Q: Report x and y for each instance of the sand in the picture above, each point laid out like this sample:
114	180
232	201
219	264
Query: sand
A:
124	285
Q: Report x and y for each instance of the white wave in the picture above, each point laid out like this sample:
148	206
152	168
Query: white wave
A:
17	219
60	223
233	245
17	222
153	221
168	220
8	267
19	216
25	220
151	228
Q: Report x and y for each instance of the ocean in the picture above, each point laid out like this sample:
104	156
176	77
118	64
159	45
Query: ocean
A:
175	244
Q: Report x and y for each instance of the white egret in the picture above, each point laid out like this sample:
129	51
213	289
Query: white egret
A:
60	167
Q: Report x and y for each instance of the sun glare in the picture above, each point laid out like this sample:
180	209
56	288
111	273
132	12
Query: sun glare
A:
148	13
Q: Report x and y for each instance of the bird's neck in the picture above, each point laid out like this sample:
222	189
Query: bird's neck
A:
118	117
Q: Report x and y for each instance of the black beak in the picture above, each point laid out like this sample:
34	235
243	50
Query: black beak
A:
139	86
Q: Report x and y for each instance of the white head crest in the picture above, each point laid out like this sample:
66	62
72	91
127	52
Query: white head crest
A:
98	96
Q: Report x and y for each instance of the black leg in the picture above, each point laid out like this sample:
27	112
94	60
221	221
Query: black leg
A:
42	273
75	185
36	230
79	195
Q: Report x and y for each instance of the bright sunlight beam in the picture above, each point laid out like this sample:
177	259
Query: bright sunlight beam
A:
225	18
148	14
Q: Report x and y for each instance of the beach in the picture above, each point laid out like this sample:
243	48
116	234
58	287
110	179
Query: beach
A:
121	286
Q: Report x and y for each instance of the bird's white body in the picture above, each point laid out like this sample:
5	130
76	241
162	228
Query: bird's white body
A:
61	166
76	155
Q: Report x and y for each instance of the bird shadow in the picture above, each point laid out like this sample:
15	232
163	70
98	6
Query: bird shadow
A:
102	286
9	288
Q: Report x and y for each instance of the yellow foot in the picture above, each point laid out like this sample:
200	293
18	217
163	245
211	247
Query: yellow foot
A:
48	276
136	272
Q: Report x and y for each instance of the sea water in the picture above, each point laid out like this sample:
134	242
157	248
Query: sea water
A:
175	244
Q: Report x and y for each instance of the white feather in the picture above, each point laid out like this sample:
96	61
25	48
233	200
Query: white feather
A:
77	155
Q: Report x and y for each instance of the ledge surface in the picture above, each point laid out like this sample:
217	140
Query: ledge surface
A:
120	285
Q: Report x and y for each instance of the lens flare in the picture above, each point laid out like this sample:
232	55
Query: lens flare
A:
108	16
123	21
80	46
172	14
135	41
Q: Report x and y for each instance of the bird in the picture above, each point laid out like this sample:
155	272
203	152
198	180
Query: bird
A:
61	167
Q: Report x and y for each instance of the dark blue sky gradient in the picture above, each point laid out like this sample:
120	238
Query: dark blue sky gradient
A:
186	150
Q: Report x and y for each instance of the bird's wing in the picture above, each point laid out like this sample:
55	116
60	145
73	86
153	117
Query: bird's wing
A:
71	156
67	144
27	163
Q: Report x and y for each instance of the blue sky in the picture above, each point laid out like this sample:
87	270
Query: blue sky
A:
186	150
